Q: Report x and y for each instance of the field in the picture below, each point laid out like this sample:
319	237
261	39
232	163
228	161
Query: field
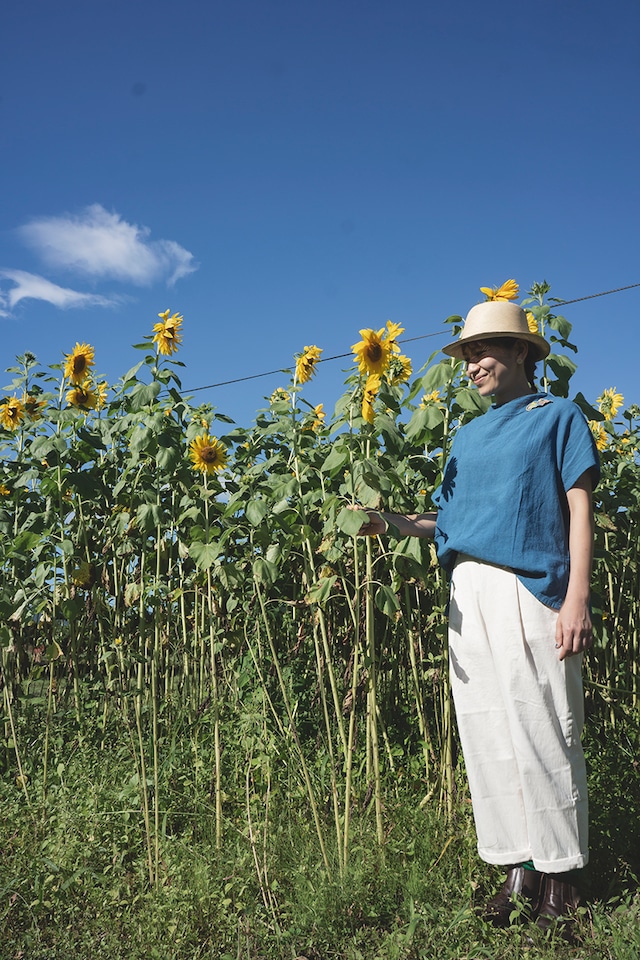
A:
227	729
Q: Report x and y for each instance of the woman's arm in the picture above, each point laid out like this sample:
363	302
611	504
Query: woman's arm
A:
573	630
407	525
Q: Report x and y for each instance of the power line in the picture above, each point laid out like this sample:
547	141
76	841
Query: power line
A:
424	336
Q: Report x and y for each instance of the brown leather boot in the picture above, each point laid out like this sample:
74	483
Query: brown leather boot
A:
521	885
557	906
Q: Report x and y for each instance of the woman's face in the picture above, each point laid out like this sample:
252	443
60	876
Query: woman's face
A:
497	370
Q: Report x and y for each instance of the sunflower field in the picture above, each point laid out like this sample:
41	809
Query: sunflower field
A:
210	684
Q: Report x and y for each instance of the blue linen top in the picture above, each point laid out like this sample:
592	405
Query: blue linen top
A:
503	494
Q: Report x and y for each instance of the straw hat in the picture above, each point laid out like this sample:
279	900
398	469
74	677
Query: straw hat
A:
497	318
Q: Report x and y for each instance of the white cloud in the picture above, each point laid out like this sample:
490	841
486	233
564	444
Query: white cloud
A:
101	244
31	286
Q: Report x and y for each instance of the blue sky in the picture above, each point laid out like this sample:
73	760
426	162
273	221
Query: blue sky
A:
286	172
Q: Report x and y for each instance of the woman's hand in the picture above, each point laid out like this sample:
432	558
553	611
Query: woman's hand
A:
574	632
376	524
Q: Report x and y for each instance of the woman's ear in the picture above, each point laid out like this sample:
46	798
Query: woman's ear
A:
522	349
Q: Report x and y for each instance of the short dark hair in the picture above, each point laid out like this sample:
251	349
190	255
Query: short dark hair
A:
529	361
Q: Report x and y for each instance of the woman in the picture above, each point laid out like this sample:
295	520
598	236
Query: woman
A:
514	527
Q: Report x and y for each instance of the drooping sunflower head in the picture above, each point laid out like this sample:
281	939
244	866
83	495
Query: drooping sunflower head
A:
207	454
167	333
532	323
600	435
32	406
12	413
306	363
610	402
102	391
83	574
83	396
400	369
280	395
508	291
79	362
372	352
371	389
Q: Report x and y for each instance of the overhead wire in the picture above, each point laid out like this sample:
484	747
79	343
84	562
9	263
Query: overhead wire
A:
424	336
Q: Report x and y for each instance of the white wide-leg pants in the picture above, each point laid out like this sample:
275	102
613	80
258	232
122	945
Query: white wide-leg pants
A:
520	712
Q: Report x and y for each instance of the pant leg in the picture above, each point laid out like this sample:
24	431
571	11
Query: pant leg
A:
520	715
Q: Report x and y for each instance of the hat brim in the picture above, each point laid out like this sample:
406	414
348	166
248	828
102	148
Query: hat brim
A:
542	347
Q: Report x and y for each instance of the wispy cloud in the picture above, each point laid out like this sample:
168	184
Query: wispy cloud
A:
31	286
97	243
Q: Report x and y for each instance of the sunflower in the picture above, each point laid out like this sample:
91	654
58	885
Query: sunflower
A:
393	332
428	398
508	291
306	363
279	395
83	396
372	352
32	406
371	388
532	323
166	333
625	444
83	575
102	389
4	490
318	418
207	454
12	413
599	434
610	402
400	369
78	362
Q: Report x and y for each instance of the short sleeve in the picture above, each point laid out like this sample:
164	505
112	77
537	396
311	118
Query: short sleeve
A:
577	451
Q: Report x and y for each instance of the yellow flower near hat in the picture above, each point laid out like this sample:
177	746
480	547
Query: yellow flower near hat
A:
508	291
532	322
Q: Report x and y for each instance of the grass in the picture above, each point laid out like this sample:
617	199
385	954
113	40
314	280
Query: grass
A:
73	878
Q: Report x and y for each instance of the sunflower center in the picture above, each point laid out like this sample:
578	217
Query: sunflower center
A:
79	364
209	454
374	352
